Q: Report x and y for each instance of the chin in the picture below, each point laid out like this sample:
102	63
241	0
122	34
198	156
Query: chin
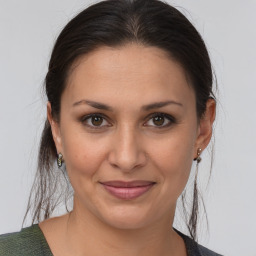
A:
130	217
127	223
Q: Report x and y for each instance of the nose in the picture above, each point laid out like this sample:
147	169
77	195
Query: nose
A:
127	152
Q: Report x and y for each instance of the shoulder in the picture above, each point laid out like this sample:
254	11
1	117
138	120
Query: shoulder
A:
28	241
206	252
195	249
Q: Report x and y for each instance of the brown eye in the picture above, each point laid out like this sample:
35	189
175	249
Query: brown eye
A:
96	120
158	120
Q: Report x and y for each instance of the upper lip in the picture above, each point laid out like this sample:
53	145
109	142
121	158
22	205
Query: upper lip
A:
127	184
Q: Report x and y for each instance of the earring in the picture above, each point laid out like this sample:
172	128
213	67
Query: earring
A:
193	216
198	158
59	160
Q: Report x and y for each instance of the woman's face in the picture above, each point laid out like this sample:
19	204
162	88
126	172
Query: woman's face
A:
128	133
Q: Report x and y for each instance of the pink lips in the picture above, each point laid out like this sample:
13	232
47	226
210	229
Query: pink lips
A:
127	190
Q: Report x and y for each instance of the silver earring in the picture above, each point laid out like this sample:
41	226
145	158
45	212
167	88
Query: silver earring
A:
198	158
59	160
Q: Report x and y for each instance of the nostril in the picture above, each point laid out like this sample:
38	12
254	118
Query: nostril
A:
127	164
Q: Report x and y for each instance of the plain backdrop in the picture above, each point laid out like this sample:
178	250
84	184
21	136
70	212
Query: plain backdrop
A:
28	29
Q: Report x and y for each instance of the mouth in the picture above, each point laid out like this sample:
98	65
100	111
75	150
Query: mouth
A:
127	190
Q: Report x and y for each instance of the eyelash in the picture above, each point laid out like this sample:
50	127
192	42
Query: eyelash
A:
170	118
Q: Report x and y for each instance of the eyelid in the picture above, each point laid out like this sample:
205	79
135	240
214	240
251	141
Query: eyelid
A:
94	114
170	118
87	117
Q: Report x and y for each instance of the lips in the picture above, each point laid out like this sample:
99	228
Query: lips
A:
127	190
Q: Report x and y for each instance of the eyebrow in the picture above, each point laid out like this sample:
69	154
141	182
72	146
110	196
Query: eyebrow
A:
148	107
160	105
93	104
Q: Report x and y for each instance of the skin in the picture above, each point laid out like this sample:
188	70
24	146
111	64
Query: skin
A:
128	145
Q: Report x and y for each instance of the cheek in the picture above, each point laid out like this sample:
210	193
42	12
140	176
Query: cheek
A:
173	158
83	156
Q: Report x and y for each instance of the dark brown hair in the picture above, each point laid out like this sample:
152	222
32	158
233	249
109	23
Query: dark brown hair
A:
115	23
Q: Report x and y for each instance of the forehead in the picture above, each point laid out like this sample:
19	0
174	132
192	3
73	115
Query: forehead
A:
127	72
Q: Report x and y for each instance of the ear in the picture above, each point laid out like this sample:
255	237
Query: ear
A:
55	127
205	126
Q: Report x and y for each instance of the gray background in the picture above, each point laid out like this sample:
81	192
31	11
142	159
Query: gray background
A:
28	29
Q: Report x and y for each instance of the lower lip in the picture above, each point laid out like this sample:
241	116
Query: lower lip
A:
127	193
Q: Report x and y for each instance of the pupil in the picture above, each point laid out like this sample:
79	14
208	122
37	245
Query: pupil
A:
158	120
96	121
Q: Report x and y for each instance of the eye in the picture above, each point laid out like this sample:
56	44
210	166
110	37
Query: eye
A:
161	120
95	121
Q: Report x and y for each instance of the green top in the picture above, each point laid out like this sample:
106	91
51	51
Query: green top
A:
30	241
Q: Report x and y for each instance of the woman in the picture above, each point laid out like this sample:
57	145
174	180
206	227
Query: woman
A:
130	106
